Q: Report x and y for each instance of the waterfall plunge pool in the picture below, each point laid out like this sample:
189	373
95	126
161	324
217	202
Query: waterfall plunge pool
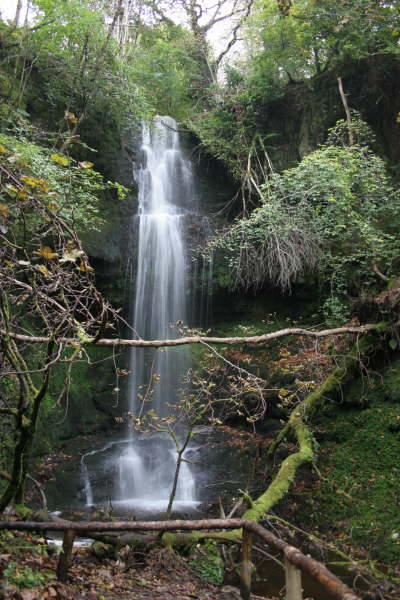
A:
126	477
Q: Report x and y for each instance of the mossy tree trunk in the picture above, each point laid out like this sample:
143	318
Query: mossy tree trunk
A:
25	415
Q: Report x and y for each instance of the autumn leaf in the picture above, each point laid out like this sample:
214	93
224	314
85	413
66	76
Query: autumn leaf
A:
11	189
60	160
46	252
70	117
43	270
4	210
14	158
2	149
85	164
83	266
34	182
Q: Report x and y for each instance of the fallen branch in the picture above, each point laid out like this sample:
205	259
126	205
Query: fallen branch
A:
287	471
317	570
309	405
198	339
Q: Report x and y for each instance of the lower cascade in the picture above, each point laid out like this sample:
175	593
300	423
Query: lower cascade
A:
142	467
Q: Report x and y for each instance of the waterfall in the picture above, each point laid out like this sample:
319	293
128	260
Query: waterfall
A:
166	196
137	472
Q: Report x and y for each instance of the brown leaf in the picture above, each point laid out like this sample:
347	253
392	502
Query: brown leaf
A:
4	210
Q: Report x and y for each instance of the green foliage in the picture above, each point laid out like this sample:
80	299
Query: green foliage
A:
336	214
81	65
24	578
208	563
72	188
164	67
318	34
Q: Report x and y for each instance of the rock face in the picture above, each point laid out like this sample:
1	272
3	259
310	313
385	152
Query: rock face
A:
300	118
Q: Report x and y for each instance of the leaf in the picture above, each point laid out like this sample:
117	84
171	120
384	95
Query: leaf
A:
13	158
35	182
4	210
70	117
83	266
11	189
44	270
393	344
70	255
46	252
60	160
2	149
86	164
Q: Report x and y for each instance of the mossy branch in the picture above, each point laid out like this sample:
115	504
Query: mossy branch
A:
286	474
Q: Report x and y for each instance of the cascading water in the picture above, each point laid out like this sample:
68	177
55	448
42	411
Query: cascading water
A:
138	472
166	195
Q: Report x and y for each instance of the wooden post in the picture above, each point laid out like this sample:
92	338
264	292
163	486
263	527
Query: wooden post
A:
66	553
246	565
294	591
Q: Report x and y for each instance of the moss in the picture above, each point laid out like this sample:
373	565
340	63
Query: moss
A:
286	474
358	498
88	407
391	385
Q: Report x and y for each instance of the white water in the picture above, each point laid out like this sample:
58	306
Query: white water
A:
145	473
165	196
143	467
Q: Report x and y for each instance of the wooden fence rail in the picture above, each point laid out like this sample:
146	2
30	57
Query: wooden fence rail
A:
295	561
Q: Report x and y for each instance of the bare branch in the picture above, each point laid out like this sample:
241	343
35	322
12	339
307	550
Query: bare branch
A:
197	339
235	32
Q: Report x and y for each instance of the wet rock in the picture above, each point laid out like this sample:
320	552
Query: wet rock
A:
101	550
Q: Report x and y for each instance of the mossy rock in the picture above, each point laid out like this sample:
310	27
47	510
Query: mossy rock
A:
101	550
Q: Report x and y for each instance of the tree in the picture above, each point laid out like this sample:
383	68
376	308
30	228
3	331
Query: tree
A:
335	214
46	282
